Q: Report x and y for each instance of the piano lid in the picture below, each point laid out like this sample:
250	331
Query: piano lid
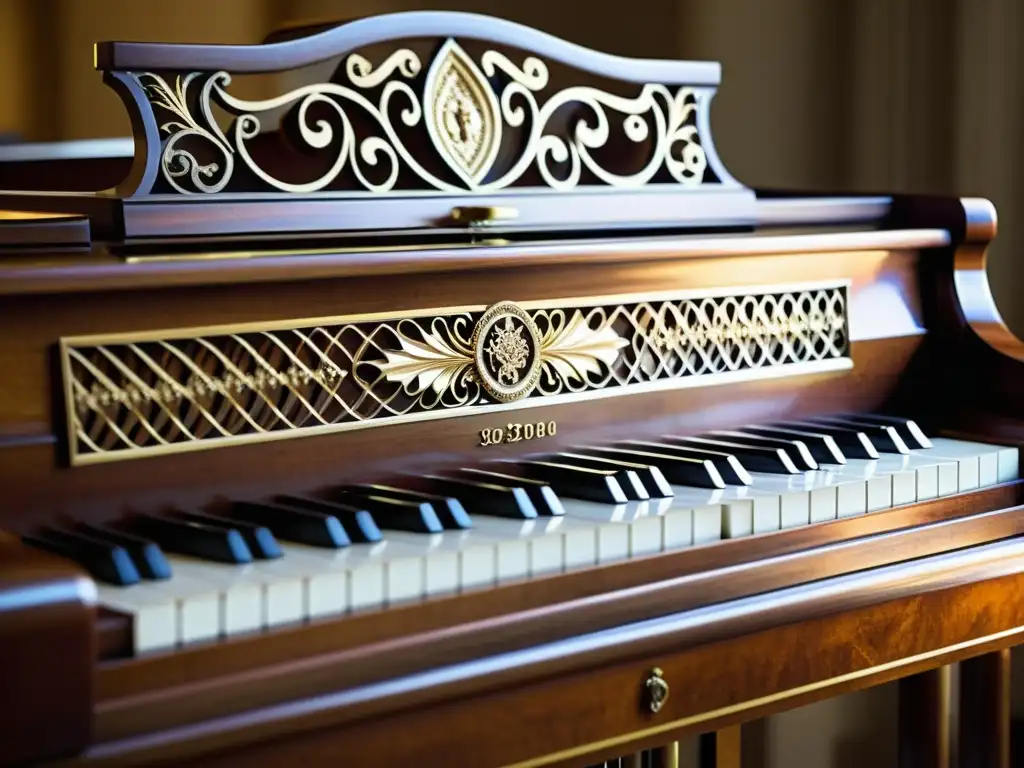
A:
407	124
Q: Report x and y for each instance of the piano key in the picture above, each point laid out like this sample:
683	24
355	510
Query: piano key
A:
269	593
975	461
360	577
728	466
207	542
147	556
260	540
545	501
884	437
292	523
544	545
795	448
577	482
854	443
1006	464
359	525
392	514
908	429
628	478
105	561
753	458
822	447
652	481
168	613
486	498
450	511
677	470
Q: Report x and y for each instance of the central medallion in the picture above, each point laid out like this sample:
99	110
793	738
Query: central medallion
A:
465	118
506	351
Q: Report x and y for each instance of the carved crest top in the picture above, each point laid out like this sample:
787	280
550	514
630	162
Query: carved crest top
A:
446	108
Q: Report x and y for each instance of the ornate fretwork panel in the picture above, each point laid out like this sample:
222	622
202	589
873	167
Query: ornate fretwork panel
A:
144	394
409	122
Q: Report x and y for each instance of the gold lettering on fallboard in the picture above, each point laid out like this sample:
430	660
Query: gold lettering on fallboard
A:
516	432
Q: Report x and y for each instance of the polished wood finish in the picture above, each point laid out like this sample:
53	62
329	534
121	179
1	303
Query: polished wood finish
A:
46	641
984	736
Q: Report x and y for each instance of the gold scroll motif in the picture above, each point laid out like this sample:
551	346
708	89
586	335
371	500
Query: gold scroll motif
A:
134	395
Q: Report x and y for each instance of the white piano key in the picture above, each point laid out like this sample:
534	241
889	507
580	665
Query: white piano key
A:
280	591
996	463
546	540
154	621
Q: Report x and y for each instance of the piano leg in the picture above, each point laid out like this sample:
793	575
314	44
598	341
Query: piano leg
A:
721	749
924	725
985	711
667	756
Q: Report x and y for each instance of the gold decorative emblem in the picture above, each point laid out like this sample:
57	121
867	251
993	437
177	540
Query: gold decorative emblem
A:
466	123
656	690
506	344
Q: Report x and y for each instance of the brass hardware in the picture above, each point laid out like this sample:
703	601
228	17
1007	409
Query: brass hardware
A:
480	216
656	690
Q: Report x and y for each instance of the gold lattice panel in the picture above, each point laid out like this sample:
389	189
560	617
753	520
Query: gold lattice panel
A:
134	395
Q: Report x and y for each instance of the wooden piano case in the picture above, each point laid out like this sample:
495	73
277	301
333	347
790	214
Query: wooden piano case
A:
456	182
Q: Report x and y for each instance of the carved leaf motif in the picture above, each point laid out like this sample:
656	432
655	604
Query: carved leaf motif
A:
432	362
575	349
465	120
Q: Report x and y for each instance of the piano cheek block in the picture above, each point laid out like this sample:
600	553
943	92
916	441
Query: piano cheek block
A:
47	653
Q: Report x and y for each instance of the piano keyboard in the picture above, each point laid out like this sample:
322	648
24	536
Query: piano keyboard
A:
189	576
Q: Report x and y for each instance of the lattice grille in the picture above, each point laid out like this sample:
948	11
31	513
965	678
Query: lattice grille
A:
174	392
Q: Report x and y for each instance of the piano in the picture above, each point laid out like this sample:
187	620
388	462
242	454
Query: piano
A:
456	406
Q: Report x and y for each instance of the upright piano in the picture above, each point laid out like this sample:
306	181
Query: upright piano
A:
455	406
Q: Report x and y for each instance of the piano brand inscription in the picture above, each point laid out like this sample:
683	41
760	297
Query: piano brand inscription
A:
514	432
134	395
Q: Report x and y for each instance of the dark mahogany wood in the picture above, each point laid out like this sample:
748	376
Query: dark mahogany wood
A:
46	646
984	736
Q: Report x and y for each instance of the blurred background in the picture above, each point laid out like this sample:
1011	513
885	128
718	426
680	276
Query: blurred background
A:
850	95
834	95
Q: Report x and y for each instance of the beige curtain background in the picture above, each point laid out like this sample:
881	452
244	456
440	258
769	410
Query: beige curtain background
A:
851	95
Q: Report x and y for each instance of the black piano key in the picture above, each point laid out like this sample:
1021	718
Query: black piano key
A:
186	537
628	475
757	459
650	474
147	556
853	442
680	470
823	448
259	538
577	482
292	523
796	449
450	511
885	438
393	514
359	525
907	429
487	497
729	467
545	500
106	562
